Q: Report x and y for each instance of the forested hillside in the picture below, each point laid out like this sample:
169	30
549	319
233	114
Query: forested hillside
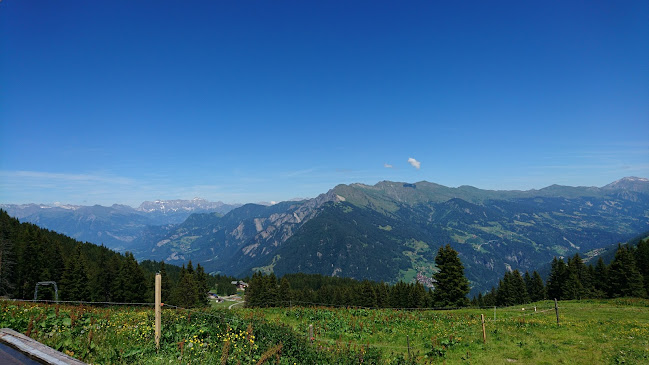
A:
114	226
626	276
390	231
88	272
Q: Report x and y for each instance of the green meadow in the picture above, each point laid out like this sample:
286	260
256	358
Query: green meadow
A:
614	331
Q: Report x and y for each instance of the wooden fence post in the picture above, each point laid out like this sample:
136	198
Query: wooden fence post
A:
158	300
408	342
484	332
311	338
556	310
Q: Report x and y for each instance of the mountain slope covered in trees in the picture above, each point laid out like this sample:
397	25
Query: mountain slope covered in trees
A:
390	231
87	272
115	226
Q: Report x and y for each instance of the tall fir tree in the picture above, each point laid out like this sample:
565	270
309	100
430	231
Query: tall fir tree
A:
186	291
74	284
451	286
382	295
367	295
399	295
528	282
165	283
417	296
202	287
284	293
642	261
520	290
270	298
132	280
624	278
557	279
255	292
7	263
101	282
537	289
577	284
601	279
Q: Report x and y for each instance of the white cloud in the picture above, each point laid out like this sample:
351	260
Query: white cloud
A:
416	164
387	166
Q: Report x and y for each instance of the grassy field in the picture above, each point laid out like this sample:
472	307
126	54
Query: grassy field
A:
591	332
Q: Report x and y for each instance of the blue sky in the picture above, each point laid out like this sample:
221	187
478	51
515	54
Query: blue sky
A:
107	102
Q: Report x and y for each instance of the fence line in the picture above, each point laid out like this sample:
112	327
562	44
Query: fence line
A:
75	302
219	315
351	306
290	302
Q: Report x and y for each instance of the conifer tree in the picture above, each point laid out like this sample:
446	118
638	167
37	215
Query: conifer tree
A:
74	284
101	282
269	298
28	262
519	288
451	286
7	263
578	283
528	282
557	279
417	296
201	286
285	295
132	280
642	261
165	284
187	291
571	287
537	289
382	295
489	299
52	263
338	296
113	267
625	279
505	294
399	295
255	292
479	301
601	279
367	295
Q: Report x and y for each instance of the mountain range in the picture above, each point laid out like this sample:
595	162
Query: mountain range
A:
115	226
389	231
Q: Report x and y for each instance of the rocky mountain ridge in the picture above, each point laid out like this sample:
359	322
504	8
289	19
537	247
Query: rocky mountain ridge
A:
388	231
391	230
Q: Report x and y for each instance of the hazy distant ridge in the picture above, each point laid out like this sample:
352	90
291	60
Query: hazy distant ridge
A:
115	226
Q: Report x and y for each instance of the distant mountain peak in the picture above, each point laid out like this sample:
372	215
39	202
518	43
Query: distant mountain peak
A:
175	205
630	179
632	183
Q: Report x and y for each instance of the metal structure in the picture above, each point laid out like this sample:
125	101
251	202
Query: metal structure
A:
56	289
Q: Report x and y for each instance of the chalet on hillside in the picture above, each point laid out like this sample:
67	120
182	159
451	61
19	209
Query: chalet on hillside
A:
240	284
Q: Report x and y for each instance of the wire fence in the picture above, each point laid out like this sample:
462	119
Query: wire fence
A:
278	303
506	314
80	302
